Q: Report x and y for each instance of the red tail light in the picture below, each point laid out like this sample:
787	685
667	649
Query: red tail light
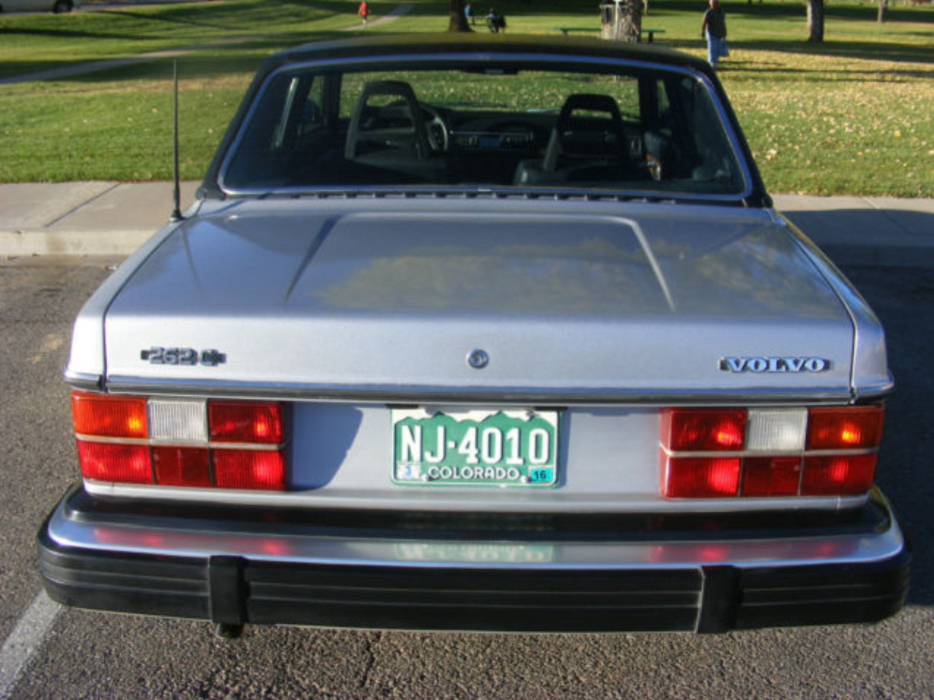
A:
838	475
242	469
771	476
181	466
703	430
108	462
254	423
702	477
722	453
181	442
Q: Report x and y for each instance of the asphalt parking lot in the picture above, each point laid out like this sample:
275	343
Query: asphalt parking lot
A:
74	654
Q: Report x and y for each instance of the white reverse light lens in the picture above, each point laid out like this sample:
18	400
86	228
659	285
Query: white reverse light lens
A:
178	421
776	429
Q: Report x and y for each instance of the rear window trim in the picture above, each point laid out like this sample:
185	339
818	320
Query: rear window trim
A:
429	61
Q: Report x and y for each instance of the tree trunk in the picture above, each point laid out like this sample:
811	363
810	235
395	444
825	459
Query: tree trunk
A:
458	22
630	21
816	21
882	5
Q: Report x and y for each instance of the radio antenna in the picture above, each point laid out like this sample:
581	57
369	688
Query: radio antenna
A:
176	190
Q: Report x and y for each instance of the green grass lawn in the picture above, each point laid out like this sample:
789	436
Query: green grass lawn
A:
852	116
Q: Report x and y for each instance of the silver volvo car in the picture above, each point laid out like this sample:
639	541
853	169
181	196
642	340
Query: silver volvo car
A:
480	333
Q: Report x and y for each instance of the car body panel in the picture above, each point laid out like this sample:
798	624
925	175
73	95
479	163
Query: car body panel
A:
601	293
645	295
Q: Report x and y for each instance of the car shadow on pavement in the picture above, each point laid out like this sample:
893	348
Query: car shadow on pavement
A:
893	268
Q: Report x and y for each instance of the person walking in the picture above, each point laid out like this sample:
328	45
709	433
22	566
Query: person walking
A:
714	29
364	11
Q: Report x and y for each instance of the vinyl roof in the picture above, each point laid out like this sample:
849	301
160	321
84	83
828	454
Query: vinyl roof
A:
476	43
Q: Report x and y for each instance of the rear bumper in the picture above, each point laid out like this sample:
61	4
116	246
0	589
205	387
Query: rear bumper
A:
582	574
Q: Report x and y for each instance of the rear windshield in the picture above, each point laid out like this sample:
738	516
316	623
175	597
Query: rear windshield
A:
485	125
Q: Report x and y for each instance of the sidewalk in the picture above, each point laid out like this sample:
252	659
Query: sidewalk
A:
84	218
98	66
109	218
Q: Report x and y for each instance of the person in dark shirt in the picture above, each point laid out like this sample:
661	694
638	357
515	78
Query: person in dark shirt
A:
714	29
495	22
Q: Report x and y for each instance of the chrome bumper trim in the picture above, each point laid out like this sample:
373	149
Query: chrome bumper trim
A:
220	539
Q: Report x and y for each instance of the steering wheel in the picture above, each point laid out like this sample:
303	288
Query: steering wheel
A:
436	129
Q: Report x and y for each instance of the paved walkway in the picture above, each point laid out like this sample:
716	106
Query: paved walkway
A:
110	218
98	66
393	14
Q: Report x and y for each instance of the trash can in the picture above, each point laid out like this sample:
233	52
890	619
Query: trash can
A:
621	20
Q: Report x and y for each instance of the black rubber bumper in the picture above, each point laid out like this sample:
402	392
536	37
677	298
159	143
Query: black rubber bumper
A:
236	590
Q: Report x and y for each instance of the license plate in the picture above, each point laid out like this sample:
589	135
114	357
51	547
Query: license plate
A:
475	448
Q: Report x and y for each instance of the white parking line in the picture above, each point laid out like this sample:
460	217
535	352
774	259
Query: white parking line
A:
25	639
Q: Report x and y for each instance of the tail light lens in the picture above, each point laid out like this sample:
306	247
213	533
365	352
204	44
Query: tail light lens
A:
845	428
181	466
242	469
838	475
108	462
703	477
713	453
771	476
204	444
252	423
109	416
704	430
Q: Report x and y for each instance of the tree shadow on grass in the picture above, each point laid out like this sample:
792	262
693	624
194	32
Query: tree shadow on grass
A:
217	62
795	10
241	57
782	74
52	33
885	51
236	17
162	24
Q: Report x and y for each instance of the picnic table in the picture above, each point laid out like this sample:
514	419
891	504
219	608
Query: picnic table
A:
567	30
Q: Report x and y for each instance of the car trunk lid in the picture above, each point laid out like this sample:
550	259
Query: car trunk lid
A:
392	299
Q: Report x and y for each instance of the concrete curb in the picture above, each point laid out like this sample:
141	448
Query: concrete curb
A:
84	218
15	244
114	219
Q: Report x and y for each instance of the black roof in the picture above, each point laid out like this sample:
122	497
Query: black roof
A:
447	43
480	44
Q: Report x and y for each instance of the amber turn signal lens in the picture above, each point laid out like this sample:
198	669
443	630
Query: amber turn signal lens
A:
851	428
108	416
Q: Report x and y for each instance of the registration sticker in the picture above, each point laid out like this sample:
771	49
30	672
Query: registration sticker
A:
502	448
